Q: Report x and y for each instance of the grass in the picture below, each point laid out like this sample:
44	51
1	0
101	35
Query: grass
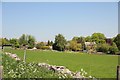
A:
18	69
99	66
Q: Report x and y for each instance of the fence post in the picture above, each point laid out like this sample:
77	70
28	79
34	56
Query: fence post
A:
118	72
1	71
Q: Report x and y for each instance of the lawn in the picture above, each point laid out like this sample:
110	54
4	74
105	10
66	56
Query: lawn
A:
100	66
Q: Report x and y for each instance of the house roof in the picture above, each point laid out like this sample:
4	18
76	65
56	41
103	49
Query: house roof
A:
89	43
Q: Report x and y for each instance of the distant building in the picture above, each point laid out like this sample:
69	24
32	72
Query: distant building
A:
90	47
90	43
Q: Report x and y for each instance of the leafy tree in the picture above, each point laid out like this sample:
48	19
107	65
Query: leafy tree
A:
23	40
27	40
14	42
113	39
31	41
60	43
75	39
98	38
103	48
113	49
88	39
40	45
117	41
5	41
80	40
49	43
74	46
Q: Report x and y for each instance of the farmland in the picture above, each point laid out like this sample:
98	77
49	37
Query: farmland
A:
100	66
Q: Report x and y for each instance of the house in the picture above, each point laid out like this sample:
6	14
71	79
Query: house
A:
90	47
89	44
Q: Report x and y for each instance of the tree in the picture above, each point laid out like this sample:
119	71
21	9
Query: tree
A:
31	41
74	46
88	39
23	40
75	39
113	49
49	43
14	43
5	41
80	40
117	41
103	48
98	38
40	45
27	40
60	43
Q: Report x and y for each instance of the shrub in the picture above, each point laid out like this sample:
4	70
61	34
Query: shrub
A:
113	49
40	45
102	48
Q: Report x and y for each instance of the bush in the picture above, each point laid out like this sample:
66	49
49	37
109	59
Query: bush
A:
102	48
40	45
113	49
74	46
106	48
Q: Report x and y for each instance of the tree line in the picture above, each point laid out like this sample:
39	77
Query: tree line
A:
97	42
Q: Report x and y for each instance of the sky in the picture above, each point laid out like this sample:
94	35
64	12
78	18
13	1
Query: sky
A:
60	0
0	19
44	20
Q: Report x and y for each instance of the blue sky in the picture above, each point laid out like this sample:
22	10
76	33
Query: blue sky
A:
0	19
44	20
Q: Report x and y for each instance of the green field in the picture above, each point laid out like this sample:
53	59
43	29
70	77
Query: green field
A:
99	66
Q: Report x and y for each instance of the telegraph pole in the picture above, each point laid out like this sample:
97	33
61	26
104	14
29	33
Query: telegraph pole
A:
25	47
118	72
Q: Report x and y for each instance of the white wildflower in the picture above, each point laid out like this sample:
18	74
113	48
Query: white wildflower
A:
59	76
81	69
85	72
82	74
90	76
